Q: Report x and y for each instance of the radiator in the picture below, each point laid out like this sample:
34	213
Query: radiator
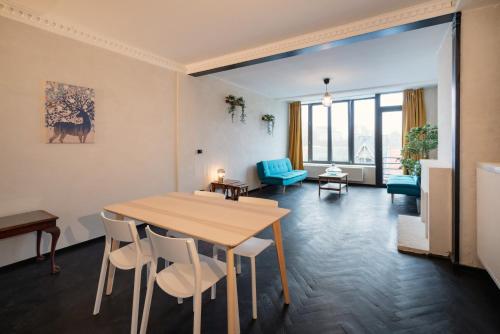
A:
355	172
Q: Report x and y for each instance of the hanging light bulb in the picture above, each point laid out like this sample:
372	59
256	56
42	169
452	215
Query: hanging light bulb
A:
327	99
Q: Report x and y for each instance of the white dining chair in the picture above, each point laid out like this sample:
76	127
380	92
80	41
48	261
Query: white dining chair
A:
131	256
189	275
250	248
174	234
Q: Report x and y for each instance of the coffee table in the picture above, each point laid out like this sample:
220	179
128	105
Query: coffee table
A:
333	181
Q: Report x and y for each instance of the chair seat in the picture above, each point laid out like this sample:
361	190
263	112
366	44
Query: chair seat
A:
124	257
178	279
252	247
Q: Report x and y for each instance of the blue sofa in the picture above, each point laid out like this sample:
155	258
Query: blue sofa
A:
279	172
404	185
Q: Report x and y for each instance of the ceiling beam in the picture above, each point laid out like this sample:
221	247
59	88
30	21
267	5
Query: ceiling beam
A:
411	18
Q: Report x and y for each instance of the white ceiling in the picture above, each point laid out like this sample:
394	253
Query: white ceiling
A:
190	31
400	60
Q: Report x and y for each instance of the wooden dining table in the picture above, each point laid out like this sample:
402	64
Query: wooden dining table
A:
225	223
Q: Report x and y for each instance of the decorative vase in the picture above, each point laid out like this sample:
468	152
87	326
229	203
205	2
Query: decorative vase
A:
270	127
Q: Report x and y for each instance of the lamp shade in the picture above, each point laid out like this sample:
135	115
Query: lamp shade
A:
220	174
327	100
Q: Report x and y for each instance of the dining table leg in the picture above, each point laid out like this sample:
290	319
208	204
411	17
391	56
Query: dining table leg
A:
281	259
232	306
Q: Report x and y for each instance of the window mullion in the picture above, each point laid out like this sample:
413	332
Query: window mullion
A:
330	148
351	130
309	136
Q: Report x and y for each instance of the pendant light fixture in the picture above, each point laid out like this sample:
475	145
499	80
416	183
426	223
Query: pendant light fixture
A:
327	98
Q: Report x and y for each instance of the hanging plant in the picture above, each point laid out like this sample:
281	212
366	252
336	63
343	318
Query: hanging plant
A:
234	102
270	123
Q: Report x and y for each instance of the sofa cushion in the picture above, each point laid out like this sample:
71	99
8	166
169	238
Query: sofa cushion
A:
404	184
294	177
288	175
274	167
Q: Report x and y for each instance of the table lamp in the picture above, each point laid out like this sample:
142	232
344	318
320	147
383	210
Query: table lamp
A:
220	175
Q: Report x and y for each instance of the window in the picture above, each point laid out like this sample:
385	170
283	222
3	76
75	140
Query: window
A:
345	132
391	143
340	131
305	131
391	105
364	131
320	133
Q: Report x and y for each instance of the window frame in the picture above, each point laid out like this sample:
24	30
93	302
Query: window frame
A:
350	129
350	110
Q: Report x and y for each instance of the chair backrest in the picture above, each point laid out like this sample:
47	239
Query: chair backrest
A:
268	168
176	250
119	230
209	194
258	201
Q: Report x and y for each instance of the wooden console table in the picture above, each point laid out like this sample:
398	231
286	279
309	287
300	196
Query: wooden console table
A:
235	187
30	222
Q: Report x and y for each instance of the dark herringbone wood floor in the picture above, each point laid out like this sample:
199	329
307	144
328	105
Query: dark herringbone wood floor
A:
344	272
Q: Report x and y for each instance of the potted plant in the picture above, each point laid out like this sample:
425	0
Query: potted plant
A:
419	142
234	102
270	123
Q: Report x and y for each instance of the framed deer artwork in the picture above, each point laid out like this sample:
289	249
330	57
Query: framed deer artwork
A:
69	114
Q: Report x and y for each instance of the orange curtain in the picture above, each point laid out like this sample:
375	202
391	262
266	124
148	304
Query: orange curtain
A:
413	112
295	136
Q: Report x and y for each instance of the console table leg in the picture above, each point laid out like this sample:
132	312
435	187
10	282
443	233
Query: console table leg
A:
39	257
55	232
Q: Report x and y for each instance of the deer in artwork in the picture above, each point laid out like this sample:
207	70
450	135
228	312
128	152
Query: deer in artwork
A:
69	111
81	130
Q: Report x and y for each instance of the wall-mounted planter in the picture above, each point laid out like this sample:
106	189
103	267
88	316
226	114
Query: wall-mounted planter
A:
270	123
234	102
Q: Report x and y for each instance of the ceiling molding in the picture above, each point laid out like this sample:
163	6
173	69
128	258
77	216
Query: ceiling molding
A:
407	15
28	16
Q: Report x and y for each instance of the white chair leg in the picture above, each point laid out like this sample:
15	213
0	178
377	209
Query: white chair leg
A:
147	303
215	252
238	264
213	290
254	288
197	314
100	285
111	279
111	270
135	300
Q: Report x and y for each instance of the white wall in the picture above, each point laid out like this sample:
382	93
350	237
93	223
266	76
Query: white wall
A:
205	124
431	104
480	113
444	99
431	111
133	155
